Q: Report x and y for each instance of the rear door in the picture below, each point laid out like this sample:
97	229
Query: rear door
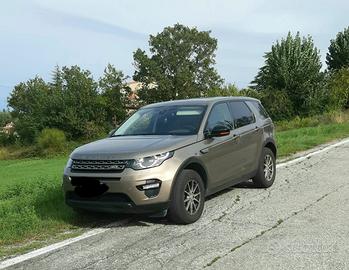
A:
249	135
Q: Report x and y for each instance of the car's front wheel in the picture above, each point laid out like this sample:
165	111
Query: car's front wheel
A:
267	169
188	198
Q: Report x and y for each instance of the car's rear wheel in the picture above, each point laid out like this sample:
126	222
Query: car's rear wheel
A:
267	169
188	198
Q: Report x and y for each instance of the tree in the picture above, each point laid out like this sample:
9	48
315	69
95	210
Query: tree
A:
225	91
29	102
181	65
293	65
250	92
83	107
338	87
277	103
5	117
56	100
115	93
338	51
57	77
71	102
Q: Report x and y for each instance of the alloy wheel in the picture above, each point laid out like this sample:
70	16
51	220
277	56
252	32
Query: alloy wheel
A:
268	167
192	197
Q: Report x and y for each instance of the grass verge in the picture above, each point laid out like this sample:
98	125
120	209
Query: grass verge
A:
32	209
295	140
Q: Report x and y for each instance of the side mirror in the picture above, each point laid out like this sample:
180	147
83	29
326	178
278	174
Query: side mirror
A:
218	131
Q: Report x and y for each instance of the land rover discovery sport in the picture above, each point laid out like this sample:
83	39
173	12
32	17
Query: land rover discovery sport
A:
167	157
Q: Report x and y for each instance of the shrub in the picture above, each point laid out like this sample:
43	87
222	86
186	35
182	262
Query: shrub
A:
3	153
3	139
298	122
17	151
8	139
333	117
28	131
51	141
337	117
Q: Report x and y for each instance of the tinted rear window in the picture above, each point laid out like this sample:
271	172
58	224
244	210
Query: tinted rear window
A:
241	113
262	112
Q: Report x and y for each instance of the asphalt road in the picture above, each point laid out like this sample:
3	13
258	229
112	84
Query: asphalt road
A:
302	222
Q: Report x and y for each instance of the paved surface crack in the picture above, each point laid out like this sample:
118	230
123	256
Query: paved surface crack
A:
277	224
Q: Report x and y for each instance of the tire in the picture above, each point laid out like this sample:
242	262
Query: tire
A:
265	179
188	198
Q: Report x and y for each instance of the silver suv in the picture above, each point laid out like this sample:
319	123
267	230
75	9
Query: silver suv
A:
167	157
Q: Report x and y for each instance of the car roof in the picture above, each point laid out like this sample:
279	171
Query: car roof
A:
199	101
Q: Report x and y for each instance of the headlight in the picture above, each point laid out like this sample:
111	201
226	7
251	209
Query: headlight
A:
69	163
150	162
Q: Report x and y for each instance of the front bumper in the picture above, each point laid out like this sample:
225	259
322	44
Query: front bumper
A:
116	205
127	185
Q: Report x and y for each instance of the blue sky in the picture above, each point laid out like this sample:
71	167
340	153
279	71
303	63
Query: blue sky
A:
37	35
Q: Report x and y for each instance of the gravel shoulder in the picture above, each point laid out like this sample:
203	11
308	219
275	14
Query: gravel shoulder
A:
300	222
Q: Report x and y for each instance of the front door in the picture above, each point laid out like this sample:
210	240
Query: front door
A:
221	154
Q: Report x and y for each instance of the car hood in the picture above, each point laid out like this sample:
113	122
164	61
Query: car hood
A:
130	147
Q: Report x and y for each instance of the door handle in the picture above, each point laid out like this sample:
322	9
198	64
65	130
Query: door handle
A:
256	129
235	137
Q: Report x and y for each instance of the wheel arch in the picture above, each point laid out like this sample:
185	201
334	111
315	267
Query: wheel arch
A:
192	164
270	143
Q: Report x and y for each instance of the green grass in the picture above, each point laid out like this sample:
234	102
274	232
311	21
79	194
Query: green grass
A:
333	117
295	140
31	200
32	208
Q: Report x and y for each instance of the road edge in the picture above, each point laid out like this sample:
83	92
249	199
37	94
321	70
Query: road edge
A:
37	252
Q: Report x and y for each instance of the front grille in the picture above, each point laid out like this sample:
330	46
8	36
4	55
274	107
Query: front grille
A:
98	165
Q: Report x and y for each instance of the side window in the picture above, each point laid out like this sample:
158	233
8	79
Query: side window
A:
219	115
242	114
262	112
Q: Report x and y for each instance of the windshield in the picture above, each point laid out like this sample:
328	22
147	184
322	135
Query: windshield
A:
169	120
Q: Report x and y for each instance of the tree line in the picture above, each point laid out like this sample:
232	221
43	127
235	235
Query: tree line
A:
181	64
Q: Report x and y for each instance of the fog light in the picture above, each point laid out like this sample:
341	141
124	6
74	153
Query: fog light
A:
150	184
